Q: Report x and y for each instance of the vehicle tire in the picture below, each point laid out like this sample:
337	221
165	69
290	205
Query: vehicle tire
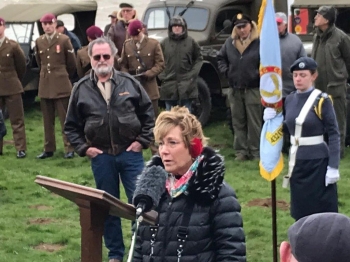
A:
28	97
201	107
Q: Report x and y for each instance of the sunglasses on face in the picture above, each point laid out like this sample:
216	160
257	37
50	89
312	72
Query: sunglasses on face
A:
98	57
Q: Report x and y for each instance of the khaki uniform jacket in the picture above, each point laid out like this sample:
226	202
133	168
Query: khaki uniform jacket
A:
12	68
151	55
83	62
57	63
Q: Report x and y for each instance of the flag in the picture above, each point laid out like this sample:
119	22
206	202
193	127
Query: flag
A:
271	140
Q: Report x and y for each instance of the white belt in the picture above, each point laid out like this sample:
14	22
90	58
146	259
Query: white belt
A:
306	141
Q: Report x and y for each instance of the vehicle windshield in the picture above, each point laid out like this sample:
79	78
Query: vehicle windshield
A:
157	18
21	33
303	20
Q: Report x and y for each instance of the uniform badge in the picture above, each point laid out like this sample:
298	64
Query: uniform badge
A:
301	65
239	16
58	49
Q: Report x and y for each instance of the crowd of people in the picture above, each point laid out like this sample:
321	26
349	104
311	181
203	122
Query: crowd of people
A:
106	97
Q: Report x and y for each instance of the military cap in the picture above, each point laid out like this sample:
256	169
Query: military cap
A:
241	19
281	18
323	237
328	12
48	18
303	63
94	32
59	23
114	14
123	5
2	21
135	27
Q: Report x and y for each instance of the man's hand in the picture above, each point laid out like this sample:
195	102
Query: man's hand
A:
148	74
135	146
93	152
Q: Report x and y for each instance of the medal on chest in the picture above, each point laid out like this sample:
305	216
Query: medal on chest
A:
58	49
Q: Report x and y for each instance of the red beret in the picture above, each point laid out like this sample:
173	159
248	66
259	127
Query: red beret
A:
94	32
2	21
135	27
48	18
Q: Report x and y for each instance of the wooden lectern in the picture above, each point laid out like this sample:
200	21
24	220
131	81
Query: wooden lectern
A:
94	206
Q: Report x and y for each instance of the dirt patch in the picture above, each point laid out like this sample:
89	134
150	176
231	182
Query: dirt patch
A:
49	247
40	221
9	142
267	202
41	207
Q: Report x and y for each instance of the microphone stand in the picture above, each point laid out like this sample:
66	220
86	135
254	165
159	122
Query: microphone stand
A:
139	219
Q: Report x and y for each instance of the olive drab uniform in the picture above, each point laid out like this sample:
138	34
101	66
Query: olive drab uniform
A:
57	61
149	59
12	70
145	57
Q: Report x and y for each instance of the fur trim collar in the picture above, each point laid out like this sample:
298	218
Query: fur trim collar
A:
206	182
253	35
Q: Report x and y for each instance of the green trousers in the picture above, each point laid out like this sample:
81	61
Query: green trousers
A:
246	112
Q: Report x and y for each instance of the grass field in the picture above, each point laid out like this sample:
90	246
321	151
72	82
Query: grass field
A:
37	226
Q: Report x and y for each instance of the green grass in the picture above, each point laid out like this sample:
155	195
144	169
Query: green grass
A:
20	197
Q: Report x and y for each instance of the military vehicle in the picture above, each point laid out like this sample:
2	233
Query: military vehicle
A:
22	25
304	11
209	23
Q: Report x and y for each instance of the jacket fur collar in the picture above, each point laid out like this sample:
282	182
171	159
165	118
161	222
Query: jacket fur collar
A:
206	182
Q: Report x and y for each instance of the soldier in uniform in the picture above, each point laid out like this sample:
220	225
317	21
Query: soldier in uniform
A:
55	56
143	55
313	164
12	70
83	59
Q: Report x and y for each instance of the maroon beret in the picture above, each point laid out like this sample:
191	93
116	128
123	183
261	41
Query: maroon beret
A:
48	18
94	32
135	27
2	21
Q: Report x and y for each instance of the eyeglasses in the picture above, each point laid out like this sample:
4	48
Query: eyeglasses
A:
98	57
126	10
170	143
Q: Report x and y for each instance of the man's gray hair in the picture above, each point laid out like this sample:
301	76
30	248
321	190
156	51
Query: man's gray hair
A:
100	41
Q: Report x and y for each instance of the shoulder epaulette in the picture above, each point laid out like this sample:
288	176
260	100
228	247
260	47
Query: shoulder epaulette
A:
319	102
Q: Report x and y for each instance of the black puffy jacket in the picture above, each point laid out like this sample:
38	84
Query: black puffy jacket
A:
215	232
90	122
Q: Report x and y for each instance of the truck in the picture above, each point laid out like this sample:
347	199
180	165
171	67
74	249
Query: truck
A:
209	23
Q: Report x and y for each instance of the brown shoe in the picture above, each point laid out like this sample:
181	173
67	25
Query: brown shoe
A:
241	158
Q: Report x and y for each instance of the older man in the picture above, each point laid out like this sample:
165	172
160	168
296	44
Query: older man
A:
12	69
118	32
239	60
331	50
323	237
110	119
55	55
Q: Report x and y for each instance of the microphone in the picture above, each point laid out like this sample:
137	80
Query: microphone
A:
149	189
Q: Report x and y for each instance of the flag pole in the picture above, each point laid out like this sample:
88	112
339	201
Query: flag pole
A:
274	219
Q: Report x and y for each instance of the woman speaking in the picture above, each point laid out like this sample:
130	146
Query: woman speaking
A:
199	216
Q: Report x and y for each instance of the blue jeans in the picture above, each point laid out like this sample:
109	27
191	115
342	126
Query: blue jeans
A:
107	170
171	103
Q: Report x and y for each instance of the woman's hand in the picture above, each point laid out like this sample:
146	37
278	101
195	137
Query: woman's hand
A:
269	113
